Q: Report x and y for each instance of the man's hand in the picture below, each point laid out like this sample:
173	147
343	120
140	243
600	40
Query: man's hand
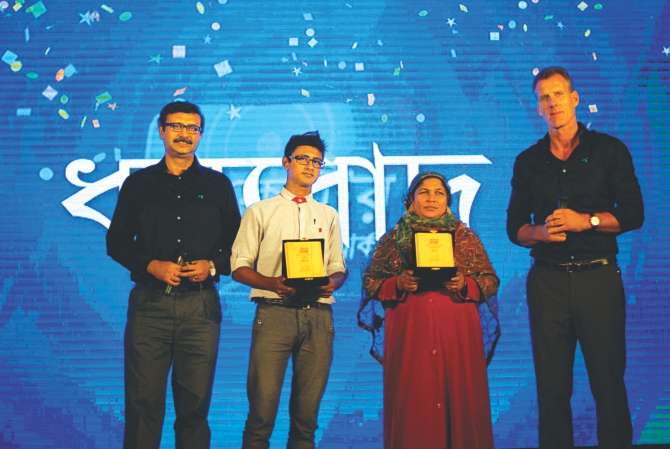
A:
567	220
335	281
327	290
562	221
528	235
196	271
406	282
252	278
550	234
278	286
166	271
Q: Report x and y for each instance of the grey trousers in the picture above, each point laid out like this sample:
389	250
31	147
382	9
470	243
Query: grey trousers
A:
279	333
179	331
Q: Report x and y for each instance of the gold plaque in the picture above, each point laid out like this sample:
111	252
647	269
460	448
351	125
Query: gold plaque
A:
434	257
434	249
303	263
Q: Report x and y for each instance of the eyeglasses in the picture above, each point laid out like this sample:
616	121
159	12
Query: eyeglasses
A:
178	127
305	160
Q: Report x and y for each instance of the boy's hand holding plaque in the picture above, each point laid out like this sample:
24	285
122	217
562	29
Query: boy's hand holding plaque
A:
434	256
303	263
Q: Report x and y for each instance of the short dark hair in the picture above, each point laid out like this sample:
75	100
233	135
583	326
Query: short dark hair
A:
310	139
551	71
180	106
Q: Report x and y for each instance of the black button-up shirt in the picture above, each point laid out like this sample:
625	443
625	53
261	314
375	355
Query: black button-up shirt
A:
597	177
159	216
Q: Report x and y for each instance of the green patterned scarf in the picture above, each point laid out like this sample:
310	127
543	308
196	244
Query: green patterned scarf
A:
410	222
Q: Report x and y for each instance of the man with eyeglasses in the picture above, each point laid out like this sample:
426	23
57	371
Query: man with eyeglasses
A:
173	228
289	322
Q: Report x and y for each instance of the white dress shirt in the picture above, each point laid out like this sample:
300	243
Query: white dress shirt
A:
266	224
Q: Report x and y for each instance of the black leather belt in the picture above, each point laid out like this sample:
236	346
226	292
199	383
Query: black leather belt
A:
574	267
184	286
291	304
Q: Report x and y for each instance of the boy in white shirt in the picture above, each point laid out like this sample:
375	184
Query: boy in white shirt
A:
289	322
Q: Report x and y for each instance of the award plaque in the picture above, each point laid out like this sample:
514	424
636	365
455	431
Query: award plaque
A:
302	263
434	256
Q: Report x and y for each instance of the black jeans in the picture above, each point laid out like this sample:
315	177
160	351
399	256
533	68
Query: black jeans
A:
179	331
588	307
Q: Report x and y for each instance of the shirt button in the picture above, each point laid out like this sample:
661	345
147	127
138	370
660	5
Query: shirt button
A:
178	240
434	351
178	196
430	299
572	257
178	218
439	406
564	170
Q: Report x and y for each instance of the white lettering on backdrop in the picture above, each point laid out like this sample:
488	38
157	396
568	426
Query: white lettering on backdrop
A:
76	204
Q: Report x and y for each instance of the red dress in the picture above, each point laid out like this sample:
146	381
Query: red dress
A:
433	345
435	385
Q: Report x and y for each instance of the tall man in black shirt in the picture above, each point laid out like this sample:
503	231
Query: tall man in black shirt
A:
580	188
176	210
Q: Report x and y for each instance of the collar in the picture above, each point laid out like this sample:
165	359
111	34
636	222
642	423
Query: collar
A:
289	196
161	166
584	146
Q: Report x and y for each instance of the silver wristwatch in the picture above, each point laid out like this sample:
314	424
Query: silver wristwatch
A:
212	268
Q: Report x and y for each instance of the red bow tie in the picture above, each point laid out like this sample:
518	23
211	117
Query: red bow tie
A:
299	200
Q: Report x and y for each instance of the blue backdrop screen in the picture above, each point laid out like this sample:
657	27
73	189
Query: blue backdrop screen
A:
393	87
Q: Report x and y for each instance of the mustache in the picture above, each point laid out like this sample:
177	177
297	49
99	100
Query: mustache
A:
183	139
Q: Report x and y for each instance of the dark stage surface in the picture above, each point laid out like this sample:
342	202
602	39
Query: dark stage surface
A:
641	446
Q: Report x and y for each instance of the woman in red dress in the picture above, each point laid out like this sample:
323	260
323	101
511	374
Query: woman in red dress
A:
434	351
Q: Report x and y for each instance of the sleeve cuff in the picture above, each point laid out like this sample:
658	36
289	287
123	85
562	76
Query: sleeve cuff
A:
239	262
388	291
143	261
473	289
